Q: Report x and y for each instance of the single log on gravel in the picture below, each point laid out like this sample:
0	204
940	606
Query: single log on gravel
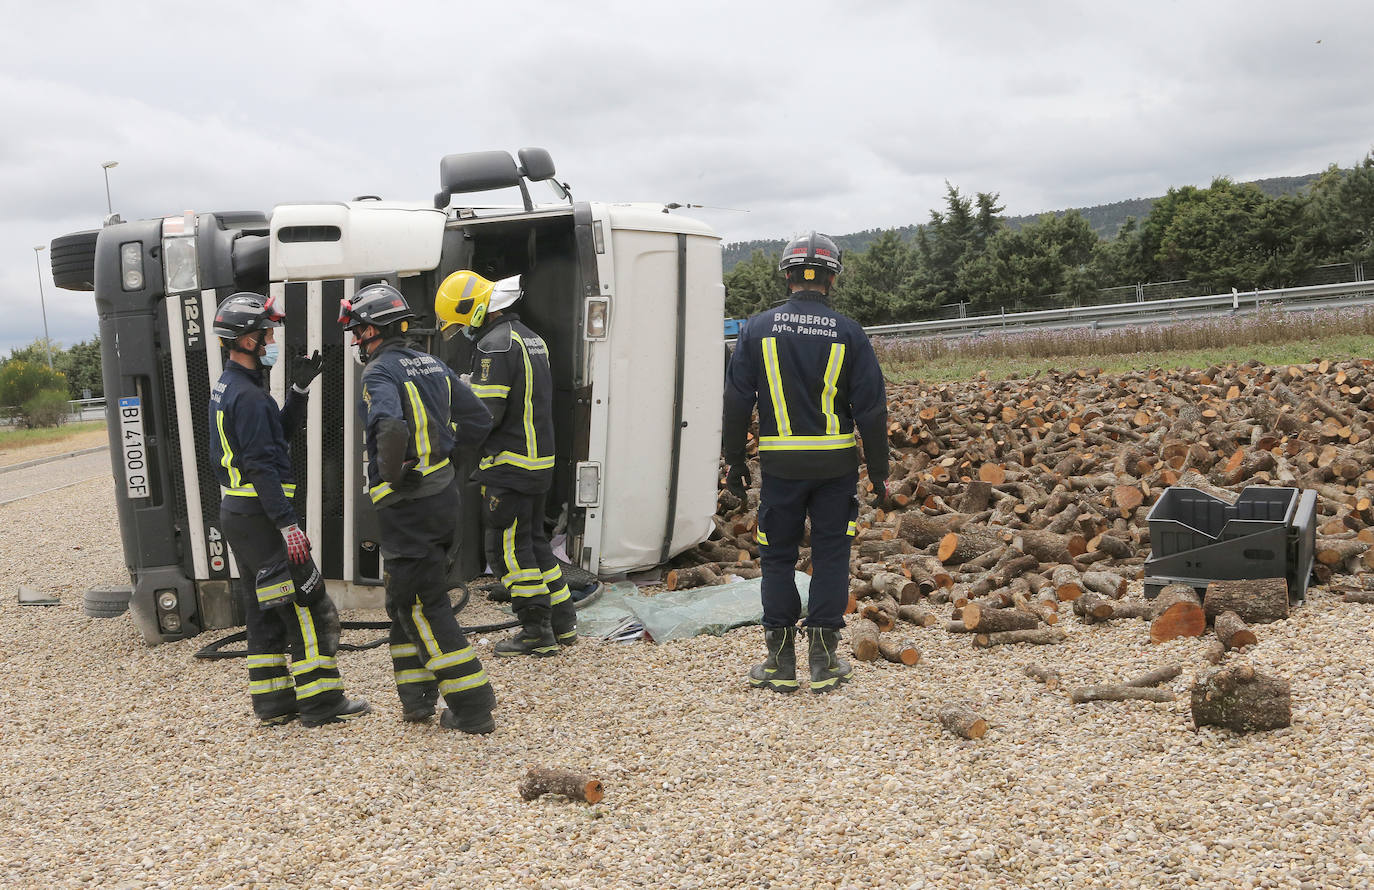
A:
1039	636
863	639
1214	652
875	612
1364	597
984	620
1239	698
1332	551
1254	602
966	544
1068	584
963	721
916	615
1155	677
1105	583
1118	693
1178	614
1048	676
572	785
898	653
922	531
899	587
1093	607
1232	632
693	576
957	627
1009	568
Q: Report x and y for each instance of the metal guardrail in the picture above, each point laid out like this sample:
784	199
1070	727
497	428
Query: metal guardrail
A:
1348	293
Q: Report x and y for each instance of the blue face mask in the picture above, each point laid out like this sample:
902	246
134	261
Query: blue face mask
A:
269	357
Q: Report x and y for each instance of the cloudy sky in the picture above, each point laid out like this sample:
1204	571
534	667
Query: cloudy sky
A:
826	115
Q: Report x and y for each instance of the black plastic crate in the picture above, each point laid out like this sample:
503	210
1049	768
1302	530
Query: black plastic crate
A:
1196	538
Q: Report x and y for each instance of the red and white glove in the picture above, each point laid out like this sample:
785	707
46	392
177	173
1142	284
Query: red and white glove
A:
297	544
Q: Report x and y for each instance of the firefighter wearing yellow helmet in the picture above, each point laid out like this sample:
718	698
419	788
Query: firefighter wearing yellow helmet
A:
511	376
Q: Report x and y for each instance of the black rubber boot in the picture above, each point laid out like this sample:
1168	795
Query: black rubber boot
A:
828	670
472	713
418	714
535	636
779	671
278	719
348	709
564	622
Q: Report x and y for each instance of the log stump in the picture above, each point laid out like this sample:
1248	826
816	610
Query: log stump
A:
963	721
1233	632
984	620
898	653
1178	613
1240	698
542	780
863	639
1254	602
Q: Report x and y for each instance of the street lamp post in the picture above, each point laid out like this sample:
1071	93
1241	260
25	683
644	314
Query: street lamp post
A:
109	209
42	301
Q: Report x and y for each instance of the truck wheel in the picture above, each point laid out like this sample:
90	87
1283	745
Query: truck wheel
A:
106	602
73	260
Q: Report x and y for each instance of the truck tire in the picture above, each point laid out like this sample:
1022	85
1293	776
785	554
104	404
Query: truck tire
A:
73	260
108	602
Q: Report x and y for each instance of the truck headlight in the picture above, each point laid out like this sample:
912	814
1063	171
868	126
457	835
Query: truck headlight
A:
180	270
131	265
598	318
588	484
170	621
167	600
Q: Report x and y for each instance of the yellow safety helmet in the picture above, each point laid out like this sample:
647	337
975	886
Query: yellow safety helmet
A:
462	301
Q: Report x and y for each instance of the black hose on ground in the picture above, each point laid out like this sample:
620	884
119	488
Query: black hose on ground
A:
215	651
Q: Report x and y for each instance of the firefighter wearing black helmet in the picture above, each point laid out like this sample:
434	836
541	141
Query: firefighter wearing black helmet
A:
292	626
415	410
815	379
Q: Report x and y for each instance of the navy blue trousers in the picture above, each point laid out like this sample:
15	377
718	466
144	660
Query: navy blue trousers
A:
784	506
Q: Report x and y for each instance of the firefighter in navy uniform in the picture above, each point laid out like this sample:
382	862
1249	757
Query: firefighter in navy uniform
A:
415	411
292	626
816	380
511	375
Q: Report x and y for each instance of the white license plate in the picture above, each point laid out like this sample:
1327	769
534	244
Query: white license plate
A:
135	454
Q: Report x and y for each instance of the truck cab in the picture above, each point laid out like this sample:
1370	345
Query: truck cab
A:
628	297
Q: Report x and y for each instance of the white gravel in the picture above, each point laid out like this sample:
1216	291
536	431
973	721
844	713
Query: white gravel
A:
128	766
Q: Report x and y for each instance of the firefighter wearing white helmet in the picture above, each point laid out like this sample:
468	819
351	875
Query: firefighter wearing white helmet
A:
815	379
511	376
416	410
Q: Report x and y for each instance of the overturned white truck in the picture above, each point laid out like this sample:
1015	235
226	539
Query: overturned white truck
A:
628	296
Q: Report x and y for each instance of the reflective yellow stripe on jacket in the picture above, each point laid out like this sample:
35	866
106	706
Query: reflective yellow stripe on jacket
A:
237	487
424	444
833	440
530	460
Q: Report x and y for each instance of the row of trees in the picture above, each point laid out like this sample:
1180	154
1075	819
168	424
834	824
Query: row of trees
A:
1223	236
37	395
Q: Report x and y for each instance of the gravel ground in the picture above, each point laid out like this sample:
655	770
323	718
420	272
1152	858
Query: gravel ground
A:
128	766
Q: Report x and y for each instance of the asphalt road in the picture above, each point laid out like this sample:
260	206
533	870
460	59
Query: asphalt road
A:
53	474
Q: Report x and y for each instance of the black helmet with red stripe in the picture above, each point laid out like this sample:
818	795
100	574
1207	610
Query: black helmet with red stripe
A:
377	304
244	313
811	251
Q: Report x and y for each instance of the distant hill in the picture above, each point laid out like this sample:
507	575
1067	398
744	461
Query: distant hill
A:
1106	220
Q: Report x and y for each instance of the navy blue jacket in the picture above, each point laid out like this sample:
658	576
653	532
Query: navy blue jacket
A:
401	383
511	375
248	444
815	378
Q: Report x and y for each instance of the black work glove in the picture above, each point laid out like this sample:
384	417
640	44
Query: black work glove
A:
307	369
882	494
738	480
410	478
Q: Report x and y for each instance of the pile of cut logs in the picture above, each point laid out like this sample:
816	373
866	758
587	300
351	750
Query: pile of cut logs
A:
1011	498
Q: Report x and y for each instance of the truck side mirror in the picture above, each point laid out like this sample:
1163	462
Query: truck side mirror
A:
536	164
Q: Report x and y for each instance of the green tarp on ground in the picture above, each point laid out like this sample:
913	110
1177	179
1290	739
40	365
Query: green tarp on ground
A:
677	614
